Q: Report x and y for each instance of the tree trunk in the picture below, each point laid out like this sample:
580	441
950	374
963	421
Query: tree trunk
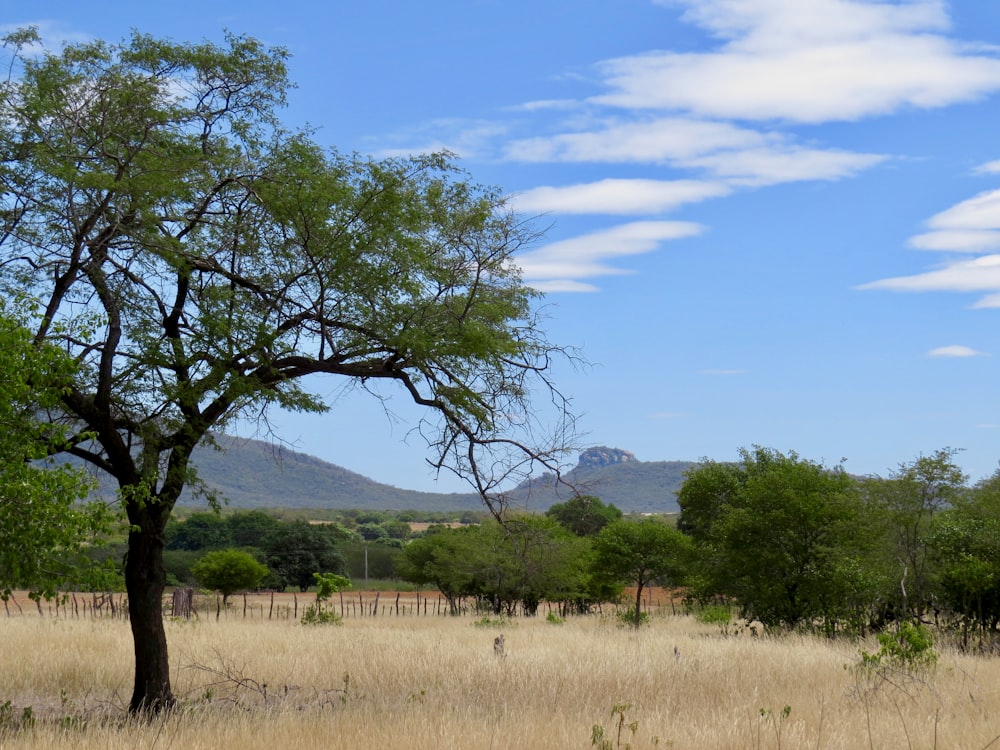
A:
145	579
637	621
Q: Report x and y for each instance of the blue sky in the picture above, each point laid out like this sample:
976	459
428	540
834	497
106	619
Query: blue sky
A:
770	222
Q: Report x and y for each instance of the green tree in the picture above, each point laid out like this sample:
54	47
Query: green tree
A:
448	559
640	553
963	544
251	528
228	571
781	535
43	525
584	515
200	262
300	549
907	502
199	531
525	560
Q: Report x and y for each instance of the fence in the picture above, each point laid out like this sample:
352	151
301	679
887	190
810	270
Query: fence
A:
184	603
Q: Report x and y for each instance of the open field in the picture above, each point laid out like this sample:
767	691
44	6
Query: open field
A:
418	683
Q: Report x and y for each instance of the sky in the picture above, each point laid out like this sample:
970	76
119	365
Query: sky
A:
768	222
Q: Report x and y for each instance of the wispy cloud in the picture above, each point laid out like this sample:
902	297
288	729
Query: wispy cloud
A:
616	196
725	118
722	150
954	351
464	138
806	61
990	167
971	227
560	266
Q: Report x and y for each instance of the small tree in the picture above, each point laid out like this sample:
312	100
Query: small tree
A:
639	553
229	571
327	584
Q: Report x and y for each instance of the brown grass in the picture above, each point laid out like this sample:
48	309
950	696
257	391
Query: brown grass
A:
434	682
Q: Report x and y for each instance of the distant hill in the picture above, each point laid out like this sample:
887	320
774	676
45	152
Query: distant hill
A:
615	476
254	474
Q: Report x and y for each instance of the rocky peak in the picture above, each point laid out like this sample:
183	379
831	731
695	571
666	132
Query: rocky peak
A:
602	456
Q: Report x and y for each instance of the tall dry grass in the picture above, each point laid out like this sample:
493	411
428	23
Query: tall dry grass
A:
435	682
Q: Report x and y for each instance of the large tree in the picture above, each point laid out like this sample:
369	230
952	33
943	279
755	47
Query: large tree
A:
199	262
783	536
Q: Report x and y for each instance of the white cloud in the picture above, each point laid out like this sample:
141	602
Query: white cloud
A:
990	167
770	166
656	141
618	196
807	61
723	150
561	265
972	226
980	274
979	212
955	350
957	240
464	138
546	104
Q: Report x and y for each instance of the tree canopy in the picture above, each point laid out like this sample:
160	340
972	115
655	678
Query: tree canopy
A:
229	571
640	553
197	260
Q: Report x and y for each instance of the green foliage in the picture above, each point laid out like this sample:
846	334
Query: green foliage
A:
784	537
584	515
381	560
300	549
715	614
199	531
178	564
641	553
601	738
631	618
44	528
522	562
488	622
327	584
905	507
229	571
909	649
11	723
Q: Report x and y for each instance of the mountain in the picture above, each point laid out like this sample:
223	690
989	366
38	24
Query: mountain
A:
615	476
254	474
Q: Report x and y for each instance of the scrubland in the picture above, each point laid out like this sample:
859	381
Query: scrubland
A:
435	682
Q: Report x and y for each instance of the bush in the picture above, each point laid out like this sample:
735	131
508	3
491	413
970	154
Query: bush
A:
910	649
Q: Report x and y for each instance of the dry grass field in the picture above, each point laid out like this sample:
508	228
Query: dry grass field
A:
425	682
